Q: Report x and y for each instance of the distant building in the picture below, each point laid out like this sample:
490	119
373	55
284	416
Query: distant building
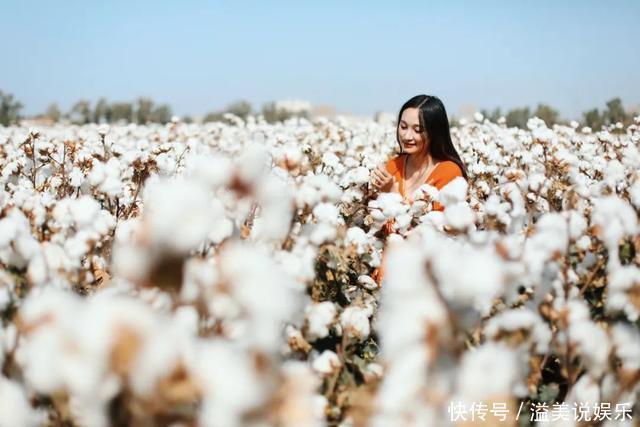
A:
328	111
466	111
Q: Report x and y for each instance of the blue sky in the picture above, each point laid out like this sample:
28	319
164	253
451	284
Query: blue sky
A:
360	56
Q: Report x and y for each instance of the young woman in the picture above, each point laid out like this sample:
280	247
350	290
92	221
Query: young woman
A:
427	155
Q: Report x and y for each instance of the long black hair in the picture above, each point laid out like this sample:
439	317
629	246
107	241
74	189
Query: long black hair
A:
433	119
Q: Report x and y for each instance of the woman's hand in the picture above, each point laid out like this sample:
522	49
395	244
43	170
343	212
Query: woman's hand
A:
381	179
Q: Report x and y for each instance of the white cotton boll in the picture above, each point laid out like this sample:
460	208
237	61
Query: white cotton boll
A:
330	159
229	381
327	363
401	384
213	171
166	164
453	192
536	182
76	177
179	214
355	323
428	192
593	345
15	409
586	392
356	236
276	209
402	222
489	371
622	280
477	284
321	233
478	117
320	317
98	173
37	270
253	163
626	342
84	211
577	225
327	213
583	243
433	219
391	204
543	134
616	218
27	246
459	216
521	319
8	230
186	318
614	172
358	176
634	194
267	295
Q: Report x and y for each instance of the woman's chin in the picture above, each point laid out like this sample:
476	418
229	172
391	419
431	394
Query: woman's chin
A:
410	149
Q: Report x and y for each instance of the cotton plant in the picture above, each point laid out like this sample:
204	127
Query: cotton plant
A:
252	245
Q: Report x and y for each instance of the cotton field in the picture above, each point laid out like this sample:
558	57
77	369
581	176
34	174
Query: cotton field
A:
220	275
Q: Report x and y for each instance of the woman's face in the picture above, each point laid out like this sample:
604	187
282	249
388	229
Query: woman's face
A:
411	134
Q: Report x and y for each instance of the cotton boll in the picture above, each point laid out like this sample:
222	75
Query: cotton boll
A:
179	214
229	381
524	325
15	409
460	216
355	323
322	233
615	218
213	171
327	363
491	371
84	211
623	281
319	318
326	213
454	191
477	284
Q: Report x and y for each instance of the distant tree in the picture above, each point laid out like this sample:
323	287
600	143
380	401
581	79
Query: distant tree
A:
9	109
81	112
548	114
273	114
161	114
518	117
213	117
121	111
239	108
187	119
53	113
615	112
593	119
102	111
493	115
144	107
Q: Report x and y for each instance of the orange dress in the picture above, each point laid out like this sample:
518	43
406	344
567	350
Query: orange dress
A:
440	176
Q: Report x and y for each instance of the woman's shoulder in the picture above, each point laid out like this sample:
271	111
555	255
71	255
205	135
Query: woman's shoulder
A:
447	170
449	167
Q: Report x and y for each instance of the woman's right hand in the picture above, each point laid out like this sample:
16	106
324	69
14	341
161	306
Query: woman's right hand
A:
381	179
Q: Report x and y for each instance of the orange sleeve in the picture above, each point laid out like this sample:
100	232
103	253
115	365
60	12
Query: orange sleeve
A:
443	175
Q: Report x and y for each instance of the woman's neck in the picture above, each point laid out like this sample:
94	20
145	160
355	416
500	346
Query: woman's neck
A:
420	161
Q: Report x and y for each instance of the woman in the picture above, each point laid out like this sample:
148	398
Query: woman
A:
427	155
